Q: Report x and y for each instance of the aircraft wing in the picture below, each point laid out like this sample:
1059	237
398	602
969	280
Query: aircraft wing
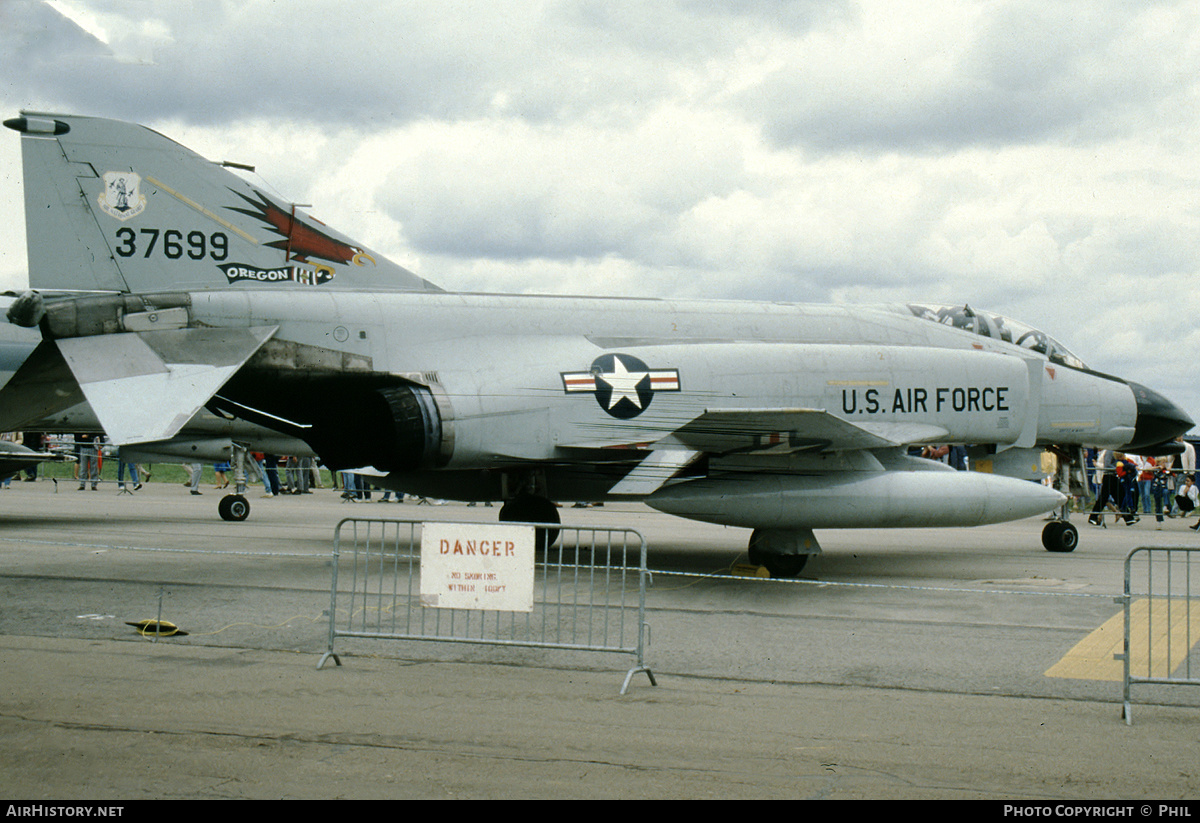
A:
733	431
725	431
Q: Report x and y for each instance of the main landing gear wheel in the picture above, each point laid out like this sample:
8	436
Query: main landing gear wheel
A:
778	564
233	507
529	508
1060	536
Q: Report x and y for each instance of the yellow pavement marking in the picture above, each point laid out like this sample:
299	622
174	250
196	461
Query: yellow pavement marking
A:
1092	657
1155	628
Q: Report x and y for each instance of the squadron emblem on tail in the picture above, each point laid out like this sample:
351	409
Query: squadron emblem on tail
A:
122	197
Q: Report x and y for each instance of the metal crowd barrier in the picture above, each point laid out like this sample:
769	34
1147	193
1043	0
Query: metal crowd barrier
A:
1162	619
589	593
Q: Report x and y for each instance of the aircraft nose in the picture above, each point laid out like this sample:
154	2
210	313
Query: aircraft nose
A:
1158	419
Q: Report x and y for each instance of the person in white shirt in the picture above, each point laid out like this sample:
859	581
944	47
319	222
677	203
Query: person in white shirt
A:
1186	467
1187	460
1187	497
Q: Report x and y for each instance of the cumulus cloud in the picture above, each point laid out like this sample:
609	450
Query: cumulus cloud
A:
209	61
981	75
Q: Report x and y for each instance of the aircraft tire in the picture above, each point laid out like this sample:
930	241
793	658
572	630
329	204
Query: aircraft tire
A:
782	565
779	565
529	508
1060	536
234	507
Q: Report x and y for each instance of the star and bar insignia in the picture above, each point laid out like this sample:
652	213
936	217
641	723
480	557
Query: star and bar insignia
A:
623	384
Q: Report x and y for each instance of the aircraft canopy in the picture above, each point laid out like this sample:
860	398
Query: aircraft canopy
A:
988	324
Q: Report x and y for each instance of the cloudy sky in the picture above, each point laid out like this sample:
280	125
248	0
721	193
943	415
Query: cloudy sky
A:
1038	159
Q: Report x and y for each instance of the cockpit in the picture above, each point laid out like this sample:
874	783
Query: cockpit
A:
987	324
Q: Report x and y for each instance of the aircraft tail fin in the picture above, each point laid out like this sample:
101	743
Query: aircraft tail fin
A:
113	206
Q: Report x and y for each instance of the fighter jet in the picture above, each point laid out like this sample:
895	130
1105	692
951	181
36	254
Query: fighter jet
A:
163	283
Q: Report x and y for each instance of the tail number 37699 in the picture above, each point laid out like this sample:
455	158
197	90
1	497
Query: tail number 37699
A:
174	244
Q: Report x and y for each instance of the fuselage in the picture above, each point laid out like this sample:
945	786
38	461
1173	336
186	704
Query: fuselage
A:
515	376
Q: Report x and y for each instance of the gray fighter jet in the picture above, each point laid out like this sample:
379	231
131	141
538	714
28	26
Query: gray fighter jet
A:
165	283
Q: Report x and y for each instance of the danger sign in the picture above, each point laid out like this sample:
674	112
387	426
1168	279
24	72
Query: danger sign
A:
477	566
